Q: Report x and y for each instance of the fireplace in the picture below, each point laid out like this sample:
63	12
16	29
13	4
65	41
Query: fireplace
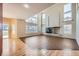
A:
54	30
49	30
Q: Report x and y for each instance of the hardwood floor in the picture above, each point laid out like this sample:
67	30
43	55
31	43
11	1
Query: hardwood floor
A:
40	46
50	43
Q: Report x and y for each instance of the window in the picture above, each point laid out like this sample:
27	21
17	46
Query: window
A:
67	26
67	12
68	29
67	16
32	24
67	7
5	27
5	30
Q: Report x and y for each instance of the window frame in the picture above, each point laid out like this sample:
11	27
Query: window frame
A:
67	22
67	12
68	28
31	24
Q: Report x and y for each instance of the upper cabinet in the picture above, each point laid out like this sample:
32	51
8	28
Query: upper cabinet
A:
54	13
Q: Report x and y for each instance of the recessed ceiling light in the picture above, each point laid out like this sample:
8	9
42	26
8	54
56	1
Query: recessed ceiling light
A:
26	5
26	20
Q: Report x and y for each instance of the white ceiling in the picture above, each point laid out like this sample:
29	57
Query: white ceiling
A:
16	10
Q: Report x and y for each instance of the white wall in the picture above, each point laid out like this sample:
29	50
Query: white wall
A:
77	27
54	14
74	20
21	28
39	22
